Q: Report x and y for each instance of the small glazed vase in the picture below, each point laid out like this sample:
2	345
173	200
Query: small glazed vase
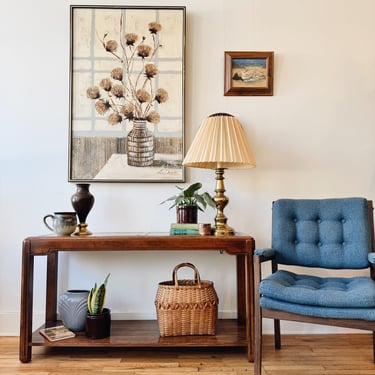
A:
98	326
72	307
82	202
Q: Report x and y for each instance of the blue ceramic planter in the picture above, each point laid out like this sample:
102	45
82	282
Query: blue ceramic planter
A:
72	307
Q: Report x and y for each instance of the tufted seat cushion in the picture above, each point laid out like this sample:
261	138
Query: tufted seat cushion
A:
325	297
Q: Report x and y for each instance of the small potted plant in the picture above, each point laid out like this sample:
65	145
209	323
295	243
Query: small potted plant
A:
189	201
98	318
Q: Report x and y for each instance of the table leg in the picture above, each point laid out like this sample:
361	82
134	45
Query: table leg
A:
51	288
26	316
245	295
241	288
250	303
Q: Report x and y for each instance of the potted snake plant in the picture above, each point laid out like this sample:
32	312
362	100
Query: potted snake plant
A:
189	201
98	318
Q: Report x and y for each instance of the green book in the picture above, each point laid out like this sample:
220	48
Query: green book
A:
176	231
184	226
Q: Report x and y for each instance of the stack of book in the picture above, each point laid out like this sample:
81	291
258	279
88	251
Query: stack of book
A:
184	229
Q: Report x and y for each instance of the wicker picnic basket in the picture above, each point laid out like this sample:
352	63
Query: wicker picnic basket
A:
186	307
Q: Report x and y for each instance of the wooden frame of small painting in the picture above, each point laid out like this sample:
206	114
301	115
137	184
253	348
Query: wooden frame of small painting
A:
248	73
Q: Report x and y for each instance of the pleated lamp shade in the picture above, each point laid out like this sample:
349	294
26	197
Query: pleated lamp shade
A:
220	143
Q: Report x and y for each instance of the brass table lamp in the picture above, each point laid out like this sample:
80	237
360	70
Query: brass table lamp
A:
220	144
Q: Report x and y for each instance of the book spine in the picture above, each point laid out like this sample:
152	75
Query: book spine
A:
185	225
184	231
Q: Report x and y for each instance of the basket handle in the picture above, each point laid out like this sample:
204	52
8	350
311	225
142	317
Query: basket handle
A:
197	277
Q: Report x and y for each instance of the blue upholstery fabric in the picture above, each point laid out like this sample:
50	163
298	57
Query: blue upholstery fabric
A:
328	233
322	312
325	233
264	252
320	291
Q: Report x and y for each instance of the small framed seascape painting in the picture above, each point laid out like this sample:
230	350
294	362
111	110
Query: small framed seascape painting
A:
248	73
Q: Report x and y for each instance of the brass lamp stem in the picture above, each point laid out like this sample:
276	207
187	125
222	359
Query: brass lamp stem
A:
221	227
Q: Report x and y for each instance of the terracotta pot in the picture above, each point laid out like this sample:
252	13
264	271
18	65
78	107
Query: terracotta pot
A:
98	326
187	214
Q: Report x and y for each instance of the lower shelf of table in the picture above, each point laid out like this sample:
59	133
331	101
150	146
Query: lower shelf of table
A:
145	333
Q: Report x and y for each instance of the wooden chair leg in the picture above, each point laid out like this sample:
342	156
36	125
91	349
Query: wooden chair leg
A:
373	346
257	340
277	337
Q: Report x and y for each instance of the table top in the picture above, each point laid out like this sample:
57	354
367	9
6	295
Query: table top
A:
41	245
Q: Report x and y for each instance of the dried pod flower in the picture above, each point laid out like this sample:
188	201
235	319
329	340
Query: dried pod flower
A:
93	92
131	38
106	84
153	117
154	27
129	92
102	106
143	50
117	74
161	96
150	70
118	91
143	96
111	46
128	111
114	119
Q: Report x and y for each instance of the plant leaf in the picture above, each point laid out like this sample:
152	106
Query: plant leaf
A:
106	280
169	199
189	192
96	297
98	300
201	200
209	200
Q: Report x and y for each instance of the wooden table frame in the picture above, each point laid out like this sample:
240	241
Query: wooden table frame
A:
232	333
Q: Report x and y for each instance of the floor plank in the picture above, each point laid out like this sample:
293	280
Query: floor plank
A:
349	354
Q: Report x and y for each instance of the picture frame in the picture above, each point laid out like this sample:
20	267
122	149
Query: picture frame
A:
127	82
248	73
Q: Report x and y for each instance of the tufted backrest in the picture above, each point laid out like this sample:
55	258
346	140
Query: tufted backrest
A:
326	233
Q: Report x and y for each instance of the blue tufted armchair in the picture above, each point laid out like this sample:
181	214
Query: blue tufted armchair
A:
320	233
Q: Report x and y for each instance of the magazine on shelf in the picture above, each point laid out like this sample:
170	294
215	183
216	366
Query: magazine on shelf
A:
56	333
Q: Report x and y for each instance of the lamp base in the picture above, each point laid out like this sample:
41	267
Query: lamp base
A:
221	200
225	230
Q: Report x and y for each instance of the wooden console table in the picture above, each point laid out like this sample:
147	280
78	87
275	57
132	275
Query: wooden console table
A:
136	333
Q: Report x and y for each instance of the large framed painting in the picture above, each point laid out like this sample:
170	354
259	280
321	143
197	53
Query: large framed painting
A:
126	94
248	73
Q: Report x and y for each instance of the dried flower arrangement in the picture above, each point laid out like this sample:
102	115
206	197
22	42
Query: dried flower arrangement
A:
129	93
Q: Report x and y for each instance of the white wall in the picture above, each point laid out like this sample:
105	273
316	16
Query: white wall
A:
314	138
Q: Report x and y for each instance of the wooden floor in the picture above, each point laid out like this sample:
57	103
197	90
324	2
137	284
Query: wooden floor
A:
300	355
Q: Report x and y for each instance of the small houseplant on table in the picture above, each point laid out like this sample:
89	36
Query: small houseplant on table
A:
189	201
98	318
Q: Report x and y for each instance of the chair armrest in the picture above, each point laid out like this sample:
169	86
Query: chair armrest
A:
371	259
266	254
260	256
